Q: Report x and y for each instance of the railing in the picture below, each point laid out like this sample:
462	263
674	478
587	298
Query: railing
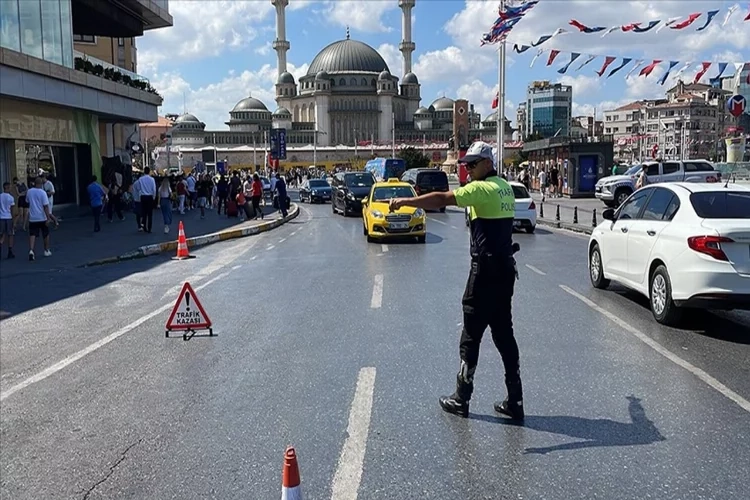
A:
108	65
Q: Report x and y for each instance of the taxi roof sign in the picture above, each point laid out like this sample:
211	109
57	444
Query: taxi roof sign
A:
393	180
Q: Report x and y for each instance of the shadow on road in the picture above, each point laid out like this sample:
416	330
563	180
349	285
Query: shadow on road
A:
594	433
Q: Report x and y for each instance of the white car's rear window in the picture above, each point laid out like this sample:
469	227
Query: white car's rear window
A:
721	204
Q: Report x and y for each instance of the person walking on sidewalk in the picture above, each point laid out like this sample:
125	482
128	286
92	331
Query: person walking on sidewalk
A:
182	192
222	193
203	188
22	209
7	228
281	191
488	297
147	187
165	203
39	217
257	196
114	199
96	198
192	192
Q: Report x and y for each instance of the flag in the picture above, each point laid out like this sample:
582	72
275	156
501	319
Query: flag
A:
651	25
586	29
634	68
710	17
702	71
588	60
533	60
541	40
520	49
729	14
510	12
607	61
664	77
687	22
669	22
552	55
624	63
722	69
684	68
650	68
629	27
573	57
610	30
495	101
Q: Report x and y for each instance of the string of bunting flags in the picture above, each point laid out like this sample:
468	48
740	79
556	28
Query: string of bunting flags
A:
645	71
674	23
507	18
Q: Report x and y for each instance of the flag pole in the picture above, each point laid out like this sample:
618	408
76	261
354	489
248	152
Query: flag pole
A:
501	102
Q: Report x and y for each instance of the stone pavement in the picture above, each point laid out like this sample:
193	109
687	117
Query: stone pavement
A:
74	242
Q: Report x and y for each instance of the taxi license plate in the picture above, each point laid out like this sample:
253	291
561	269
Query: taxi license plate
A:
398	225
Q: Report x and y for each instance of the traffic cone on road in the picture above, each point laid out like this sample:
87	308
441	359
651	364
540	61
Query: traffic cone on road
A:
290	483
182	247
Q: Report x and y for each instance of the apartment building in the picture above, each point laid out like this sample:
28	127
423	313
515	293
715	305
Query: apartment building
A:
625	124
60	107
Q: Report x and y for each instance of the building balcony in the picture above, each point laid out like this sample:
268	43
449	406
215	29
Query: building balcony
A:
100	91
119	18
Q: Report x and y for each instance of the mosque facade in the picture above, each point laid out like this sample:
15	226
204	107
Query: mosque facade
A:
349	97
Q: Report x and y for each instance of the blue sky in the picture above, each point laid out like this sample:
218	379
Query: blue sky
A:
219	51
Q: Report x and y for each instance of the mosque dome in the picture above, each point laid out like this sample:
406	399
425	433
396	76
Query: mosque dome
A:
187	118
286	77
250	104
410	78
347	56
443	104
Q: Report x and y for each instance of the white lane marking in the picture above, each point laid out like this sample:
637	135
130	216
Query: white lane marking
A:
270	247
293	233
282	240
254	257
536	270
385	248
438	221
377	292
705	377
48	372
454	227
348	475
234	268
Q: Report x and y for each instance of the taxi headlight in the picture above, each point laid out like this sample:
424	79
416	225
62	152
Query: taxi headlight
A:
377	214
418	213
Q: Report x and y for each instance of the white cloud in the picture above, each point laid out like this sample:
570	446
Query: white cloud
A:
202	29
582	84
393	58
360	15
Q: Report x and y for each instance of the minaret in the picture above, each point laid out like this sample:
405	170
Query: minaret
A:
280	45
406	46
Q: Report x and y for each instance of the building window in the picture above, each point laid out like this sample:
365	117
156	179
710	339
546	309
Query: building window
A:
10	30
120	42
30	14
353	82
84	38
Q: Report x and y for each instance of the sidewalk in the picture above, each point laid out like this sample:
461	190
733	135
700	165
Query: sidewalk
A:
75	244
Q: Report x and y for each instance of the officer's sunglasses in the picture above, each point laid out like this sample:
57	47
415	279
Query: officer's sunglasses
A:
472	165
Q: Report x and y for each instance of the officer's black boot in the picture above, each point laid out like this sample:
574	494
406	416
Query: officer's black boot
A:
512	406
458	402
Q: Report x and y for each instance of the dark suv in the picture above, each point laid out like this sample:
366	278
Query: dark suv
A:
347	191
427	180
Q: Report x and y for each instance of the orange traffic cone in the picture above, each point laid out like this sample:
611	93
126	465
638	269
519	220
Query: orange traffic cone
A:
290	483
182	247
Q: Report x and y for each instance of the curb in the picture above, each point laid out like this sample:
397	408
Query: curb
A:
197	241
576	228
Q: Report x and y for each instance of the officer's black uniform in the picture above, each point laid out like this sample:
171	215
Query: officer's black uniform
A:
487	302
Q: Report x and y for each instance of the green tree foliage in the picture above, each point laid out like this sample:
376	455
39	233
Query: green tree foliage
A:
414	158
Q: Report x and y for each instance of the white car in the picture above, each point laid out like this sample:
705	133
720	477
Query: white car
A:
525	217
681	244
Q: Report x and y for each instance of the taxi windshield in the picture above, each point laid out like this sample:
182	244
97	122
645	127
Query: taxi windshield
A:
386	193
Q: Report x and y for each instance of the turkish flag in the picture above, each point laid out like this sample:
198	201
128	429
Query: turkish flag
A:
495	102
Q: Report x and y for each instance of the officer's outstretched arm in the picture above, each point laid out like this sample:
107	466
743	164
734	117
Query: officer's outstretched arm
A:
431	201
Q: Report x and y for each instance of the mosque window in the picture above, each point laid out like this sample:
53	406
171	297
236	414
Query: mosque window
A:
342	82
353	82
373	82
318	87
364	82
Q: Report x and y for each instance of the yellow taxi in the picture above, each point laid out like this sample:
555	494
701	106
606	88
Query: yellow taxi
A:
379	224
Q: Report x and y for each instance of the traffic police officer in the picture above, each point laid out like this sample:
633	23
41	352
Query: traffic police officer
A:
489	290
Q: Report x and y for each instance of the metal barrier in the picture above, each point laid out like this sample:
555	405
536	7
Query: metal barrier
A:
563	214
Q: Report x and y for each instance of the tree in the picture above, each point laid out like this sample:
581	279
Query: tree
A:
414	158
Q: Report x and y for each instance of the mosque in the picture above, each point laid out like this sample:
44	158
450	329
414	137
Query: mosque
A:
349	98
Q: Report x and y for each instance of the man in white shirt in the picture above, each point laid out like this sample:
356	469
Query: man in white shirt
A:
192	191
146	185
49	188
543	183
39	215
6	218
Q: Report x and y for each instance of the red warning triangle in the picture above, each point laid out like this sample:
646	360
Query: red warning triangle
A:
188	313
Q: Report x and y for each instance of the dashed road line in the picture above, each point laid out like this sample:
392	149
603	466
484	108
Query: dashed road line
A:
454	227
270	247
282	240
234	268
348	474
384	248
438	221
536	270
705	377
48	372
377	292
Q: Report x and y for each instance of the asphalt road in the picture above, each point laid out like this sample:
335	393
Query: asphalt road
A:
341	348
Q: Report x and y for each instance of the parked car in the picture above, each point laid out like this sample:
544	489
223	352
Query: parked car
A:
615	189
427	180
348	189
682	245
525	216
315	190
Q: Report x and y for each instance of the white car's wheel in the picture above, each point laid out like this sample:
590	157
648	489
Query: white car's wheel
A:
660	296
596	269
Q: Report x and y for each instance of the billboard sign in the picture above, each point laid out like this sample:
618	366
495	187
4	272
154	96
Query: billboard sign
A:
278	143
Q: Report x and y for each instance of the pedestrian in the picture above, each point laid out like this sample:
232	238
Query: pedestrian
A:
7	228
165	203
39	216
182	191
192	192
487	299
222	193
203	187
281	191
147	188
22	210
114	198
49	188
96	199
